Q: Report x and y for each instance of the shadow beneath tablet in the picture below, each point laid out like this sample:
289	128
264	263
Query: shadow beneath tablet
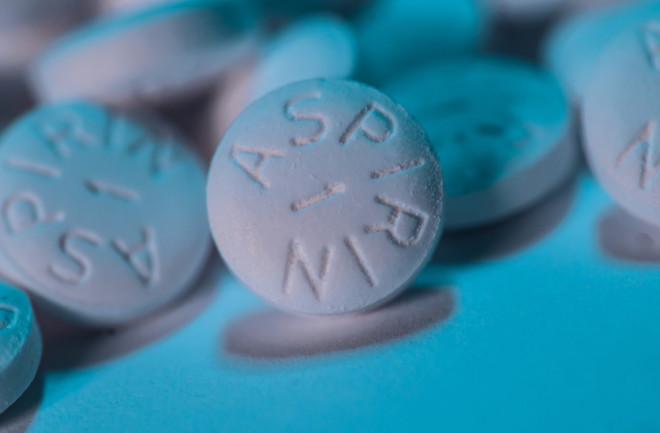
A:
624	237
271	334
19	417
520	37
67	346
509	236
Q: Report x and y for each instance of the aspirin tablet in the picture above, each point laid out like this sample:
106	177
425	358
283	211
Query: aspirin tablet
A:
320	46
102	219
500	128
396	35
325	197
155	56
574	46
620	120
20	345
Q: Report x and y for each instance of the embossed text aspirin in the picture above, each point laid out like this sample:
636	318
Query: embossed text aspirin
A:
20	345
502	130
325	197
102	219
621	117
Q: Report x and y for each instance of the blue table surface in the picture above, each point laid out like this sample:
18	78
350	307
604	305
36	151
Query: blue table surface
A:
533	326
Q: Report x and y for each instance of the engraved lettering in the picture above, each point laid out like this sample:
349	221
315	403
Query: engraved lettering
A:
650	167
100	187
83	263
142	257
34	167
255	170
68	129
297	256
329	192
293	114
404	166
399	211
364	123
359	256
24	210
8	316
651	35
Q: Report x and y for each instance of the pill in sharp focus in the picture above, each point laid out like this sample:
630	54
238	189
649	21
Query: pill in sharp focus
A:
397	35
325	42
501	129
103	219
574	46
620	120
325	197
20	345
155	56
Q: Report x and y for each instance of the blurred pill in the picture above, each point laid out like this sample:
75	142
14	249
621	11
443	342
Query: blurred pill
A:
26	26
574	46
501	129
397	35
103	219
320	46
325	197
109	7
620	120
20	345
155	56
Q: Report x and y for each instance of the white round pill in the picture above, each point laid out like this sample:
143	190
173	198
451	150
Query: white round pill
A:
574	46
154	56
102	219
20	345
325	197
325	42
501	129
620	120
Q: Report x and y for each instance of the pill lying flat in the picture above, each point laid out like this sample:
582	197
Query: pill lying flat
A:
325	197
26	26
574	46
396	35
20	345
103	219
325	42
154	56
620	119
501	129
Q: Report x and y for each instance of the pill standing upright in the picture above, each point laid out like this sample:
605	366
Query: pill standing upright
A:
620	120
102	218
20	345
325	197
502	129
325	42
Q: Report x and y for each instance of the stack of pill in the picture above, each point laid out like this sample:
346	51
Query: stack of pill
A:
345	138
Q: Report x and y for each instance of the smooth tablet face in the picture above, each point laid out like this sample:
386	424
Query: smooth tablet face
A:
20	345
620	120
325	42
573	48
325	197
154	56
397	35
102	218
491	120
